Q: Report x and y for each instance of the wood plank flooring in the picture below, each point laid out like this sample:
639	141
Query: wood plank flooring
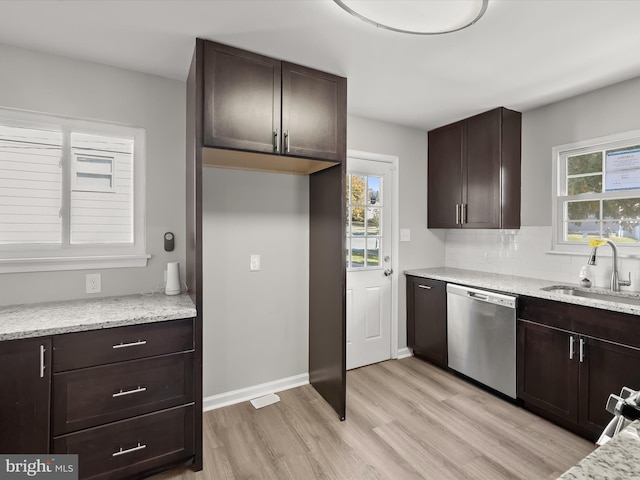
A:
406	419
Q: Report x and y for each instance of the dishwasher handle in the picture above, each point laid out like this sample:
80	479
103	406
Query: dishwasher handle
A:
478	296
470	293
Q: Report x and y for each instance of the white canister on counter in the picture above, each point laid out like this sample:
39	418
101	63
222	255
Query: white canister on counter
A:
586	276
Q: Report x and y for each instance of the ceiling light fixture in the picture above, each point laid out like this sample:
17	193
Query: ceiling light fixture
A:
426	17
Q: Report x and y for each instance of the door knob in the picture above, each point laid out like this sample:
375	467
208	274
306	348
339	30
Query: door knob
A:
388	272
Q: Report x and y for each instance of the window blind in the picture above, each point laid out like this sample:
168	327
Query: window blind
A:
30	186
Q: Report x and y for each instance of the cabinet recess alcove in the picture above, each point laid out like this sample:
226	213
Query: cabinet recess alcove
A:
251	112
474	172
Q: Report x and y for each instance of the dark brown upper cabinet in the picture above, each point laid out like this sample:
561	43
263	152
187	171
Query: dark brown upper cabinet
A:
474	172
292	117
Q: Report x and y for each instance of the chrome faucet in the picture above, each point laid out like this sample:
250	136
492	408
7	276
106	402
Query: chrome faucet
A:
615	281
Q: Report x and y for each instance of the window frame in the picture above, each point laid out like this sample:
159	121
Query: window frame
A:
67	256
560	154
365	236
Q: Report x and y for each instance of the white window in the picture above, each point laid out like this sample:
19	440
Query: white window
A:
597	191
71	194
363	223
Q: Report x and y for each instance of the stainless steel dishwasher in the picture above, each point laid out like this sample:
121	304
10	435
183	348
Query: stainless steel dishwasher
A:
481	336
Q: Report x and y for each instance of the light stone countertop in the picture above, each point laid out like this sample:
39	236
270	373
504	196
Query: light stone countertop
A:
617	459
525	286
52	318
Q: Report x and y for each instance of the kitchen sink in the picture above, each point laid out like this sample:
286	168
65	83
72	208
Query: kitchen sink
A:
632	299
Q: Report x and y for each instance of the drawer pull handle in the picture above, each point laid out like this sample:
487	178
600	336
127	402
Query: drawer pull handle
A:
129	392
132	344
129	450
42	366
426	287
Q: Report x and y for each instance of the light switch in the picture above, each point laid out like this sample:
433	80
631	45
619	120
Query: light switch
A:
254	263
405	235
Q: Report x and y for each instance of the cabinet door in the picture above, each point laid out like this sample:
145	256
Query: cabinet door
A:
445	176
605	369
427	319
547	376
481	171
241	99
25	395
314	112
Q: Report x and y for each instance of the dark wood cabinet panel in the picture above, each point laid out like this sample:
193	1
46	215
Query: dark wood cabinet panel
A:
547	376
93	396
573	389
99	347
474	172
260	105
445	176
314	113
25	395
427	319
327	287
606	368
481	172
241	99
128	448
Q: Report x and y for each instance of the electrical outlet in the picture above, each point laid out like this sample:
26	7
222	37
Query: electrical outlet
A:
93	283
254	263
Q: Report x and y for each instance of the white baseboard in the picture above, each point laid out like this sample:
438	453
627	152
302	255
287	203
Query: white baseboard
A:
248	393
404	352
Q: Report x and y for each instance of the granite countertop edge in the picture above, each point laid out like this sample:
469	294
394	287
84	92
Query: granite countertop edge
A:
55	318
531	287
618	458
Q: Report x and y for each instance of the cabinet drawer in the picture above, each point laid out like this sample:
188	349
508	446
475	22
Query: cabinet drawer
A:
94	396
99	347
128	447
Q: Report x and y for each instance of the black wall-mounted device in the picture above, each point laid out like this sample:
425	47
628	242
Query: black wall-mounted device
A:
168	242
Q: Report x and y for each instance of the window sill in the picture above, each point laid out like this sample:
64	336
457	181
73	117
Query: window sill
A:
602	252
52	264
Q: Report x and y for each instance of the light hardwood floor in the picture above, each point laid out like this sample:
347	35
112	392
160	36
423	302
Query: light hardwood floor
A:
406	419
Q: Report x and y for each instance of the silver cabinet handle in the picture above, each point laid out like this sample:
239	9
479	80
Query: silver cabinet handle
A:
129	450
132	344
42	366
581	350
129	392
286	140
571	348
426	287
463	213
457	214
276	147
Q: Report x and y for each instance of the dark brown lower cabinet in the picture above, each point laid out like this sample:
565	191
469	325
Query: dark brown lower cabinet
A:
547	374
126	448
427	319
25	373
567	376
607	367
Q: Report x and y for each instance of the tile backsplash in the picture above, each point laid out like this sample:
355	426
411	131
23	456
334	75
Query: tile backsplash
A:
524	253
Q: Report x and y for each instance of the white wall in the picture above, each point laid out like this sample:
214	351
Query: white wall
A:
58	85
256	324
426	248
605	111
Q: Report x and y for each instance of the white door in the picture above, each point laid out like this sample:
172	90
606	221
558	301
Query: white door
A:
369	265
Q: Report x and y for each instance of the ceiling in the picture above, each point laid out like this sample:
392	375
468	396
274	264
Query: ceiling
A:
522	53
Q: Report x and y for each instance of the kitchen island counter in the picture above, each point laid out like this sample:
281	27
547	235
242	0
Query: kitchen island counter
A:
531	287
53	318
618	458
